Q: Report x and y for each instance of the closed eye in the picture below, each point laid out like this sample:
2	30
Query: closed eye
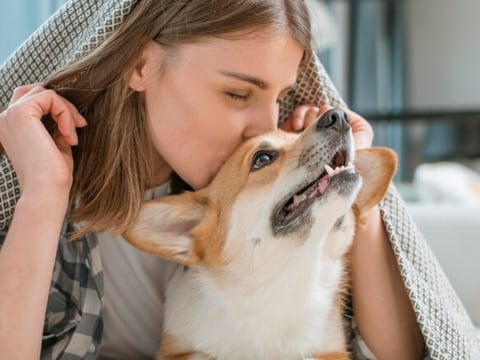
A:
238	97
263	158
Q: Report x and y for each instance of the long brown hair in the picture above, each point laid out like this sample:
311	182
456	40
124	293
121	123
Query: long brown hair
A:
113	161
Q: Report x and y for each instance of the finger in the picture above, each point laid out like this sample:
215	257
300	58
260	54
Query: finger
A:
64	147
362	130
48	102
303	116
21	91
65	115
287	125
298	117
311	115
357	122
79	120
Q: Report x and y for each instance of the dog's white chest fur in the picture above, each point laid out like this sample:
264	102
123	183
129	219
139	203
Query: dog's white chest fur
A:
289	317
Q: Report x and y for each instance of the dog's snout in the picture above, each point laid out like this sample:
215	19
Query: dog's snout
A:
333	118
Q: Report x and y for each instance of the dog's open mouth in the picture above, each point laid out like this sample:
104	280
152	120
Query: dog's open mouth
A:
301	200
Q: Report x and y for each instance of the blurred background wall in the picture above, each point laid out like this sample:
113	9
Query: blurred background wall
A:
19	18
443	53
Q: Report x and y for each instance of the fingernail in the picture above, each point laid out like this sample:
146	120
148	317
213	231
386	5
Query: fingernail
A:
84	121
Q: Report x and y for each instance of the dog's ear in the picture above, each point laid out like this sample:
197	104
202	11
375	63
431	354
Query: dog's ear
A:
164	227
376	166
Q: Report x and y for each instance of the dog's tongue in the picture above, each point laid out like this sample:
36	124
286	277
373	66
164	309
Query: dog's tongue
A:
319	187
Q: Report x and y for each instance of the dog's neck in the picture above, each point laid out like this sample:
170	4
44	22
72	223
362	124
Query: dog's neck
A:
293	312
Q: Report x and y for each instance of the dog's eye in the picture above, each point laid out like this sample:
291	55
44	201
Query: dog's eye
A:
262	159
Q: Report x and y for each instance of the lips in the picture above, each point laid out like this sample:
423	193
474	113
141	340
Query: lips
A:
297	204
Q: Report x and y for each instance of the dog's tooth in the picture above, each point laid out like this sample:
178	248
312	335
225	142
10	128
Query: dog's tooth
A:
297	199
329	170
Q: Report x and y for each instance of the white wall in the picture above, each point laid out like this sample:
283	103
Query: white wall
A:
444	60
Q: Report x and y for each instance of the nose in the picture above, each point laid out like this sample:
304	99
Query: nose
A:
261	123
333	118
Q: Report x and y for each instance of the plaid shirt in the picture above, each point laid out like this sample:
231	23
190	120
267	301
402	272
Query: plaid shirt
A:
73	324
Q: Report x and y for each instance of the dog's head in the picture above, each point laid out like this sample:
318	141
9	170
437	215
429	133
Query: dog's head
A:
275	193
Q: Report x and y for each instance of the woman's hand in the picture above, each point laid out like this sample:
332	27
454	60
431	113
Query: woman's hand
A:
42	163
44	168
305	115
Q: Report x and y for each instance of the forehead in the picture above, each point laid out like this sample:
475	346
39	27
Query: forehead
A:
269	38
257	52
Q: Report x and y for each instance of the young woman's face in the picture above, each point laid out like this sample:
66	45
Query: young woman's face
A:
212	96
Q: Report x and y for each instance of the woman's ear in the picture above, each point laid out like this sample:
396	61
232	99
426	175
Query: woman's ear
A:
143	67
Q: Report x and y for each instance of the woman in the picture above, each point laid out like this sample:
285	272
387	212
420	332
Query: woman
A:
172	91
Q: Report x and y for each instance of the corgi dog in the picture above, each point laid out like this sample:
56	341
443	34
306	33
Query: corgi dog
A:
263	250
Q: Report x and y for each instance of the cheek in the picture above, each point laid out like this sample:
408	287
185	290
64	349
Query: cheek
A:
208	149
192	155
194	140
163	137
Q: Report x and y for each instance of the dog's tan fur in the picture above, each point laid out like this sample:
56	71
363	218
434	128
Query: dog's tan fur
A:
213	234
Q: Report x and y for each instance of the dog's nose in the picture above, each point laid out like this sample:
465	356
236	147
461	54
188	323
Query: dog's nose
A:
334	117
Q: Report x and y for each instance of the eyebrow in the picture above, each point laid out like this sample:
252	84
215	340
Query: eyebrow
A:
252	80
265	145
